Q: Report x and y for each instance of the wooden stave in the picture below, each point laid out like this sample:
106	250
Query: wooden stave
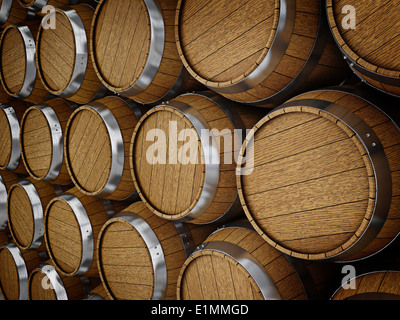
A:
56	111
32	89
310	76
185	237
375	76
236	117
124	190
7	179
151	92
83	86
373	247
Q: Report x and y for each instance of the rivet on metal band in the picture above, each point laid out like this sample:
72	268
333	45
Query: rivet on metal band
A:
13	121
274	55
156	253
117	148
155	52
55	282
248	262
21	269
85	230
211	156
186	237
379	164
38	216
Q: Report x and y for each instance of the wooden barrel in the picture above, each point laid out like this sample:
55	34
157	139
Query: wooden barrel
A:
97	141
134	52
235	263
15	267
10	152
7	180
72	223
42	141
26	203
64	64
377	285
19	76
11	13
192	181
329	186
45	283
258	52
140	254
366	35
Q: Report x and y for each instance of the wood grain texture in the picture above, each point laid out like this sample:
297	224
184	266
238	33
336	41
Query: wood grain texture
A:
319	190
88	147
211	275
373	43
172	187
63	235
120	42
36	140
125	266
57	54
252	25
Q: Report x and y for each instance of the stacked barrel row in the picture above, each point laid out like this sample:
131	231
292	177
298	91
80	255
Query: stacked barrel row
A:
185	149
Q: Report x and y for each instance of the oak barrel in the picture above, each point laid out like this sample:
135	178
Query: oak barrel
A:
45	283
235	263
258	52
72	223
134	52
329	186
377	285
179	171
64	64
366	34
42	140
140	254
11	12
19	76
27	200
97	141
15	267
7	180
10	152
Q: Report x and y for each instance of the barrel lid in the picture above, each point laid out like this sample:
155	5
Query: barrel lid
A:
313	193
120	42
131	260
88	150
211	36
36	142
372	43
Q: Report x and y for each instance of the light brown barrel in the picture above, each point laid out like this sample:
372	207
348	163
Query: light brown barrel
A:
45	283
325	176
72	223
64	64
258	52
366	34
179	171
27	200
11	12
140	254
15	267
19	76
7	180
97	141
10	152
134	52
42	141
377	285
235	263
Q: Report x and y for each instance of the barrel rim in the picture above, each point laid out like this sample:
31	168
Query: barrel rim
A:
56	282
381	175
15	156
86	233
3	205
